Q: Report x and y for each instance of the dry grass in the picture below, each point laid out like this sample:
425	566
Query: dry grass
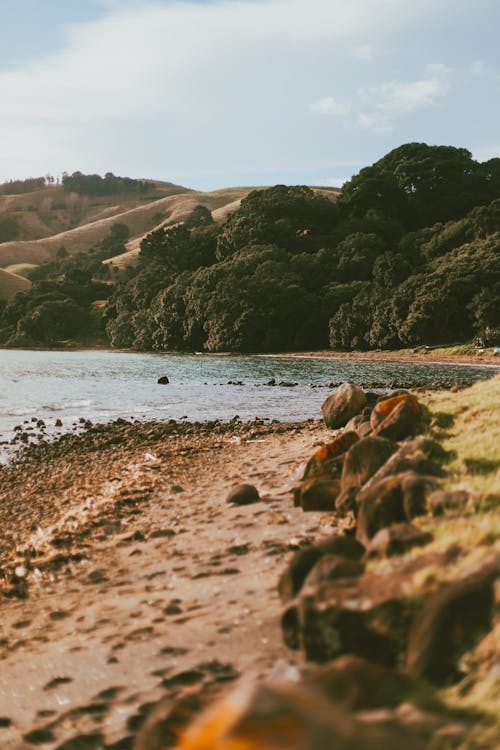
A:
21	269
11	284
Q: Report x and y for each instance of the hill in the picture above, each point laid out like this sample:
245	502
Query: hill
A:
11	284
140	220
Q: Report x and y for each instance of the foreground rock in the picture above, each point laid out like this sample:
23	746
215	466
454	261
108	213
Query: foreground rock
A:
274	717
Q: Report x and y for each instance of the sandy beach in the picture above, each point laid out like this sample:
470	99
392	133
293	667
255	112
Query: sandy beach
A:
133	569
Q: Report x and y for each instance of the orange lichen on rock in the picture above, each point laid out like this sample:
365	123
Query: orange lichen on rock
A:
337	447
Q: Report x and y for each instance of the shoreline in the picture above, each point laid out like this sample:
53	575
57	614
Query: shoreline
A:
431	356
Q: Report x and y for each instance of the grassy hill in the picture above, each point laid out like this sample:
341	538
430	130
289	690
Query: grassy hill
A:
140	219
11	284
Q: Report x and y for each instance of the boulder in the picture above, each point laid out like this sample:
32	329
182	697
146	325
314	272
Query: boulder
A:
451	623
163	380
319	494
363	459
343	404
396	540
419	456
331	567
397	417
416	490
368	616
303	561
357	684
380	505
289	715
327	461
243	494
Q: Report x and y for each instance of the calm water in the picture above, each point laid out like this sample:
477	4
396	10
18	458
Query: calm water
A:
104	385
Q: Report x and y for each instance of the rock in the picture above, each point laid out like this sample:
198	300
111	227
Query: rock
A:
303	561
367	616
243	494
163	380
327	461
319	495
396	417
287	715
441	501
363	459
416	489
418	455
396	540
451	622
356	683
343	404
332	567
380	505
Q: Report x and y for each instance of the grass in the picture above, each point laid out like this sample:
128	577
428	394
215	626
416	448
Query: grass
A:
21	269
11	284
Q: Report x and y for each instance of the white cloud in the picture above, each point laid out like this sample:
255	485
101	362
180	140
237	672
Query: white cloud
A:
477	67
168	89
396	98
330	106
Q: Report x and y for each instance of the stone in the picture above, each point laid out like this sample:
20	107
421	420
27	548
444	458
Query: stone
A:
357	684
303	561
163	380
288	715
396	540
380	505
397	417
327	461
319	495
416	490
452	621
363	459
332	567
343	404
368	616
441	500
243	494
419	456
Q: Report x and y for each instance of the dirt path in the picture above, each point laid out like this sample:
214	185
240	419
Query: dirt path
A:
139	579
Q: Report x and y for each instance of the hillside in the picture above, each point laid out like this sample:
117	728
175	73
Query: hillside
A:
140	219
11	284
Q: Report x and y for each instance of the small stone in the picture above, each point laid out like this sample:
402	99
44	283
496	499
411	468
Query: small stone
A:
243	494
163	380
441	501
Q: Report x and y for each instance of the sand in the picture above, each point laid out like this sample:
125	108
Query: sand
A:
128	578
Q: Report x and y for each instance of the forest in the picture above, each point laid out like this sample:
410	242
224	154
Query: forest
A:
408	254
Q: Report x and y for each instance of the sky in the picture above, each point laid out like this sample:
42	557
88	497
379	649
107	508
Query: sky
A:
215	93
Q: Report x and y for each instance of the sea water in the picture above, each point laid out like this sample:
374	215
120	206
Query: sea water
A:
103	385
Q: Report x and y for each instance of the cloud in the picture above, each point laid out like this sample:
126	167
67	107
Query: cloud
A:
395	98
477	67
178	89
329	106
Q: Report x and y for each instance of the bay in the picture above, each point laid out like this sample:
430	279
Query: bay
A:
103	385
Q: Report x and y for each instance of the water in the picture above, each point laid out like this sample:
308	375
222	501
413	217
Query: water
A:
103	385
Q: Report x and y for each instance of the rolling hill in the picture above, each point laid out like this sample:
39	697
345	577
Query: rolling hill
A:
140	220
11	284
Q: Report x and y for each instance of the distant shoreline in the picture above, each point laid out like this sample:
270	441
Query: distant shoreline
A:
430	356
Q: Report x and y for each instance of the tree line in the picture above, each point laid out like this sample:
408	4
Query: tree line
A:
407	255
